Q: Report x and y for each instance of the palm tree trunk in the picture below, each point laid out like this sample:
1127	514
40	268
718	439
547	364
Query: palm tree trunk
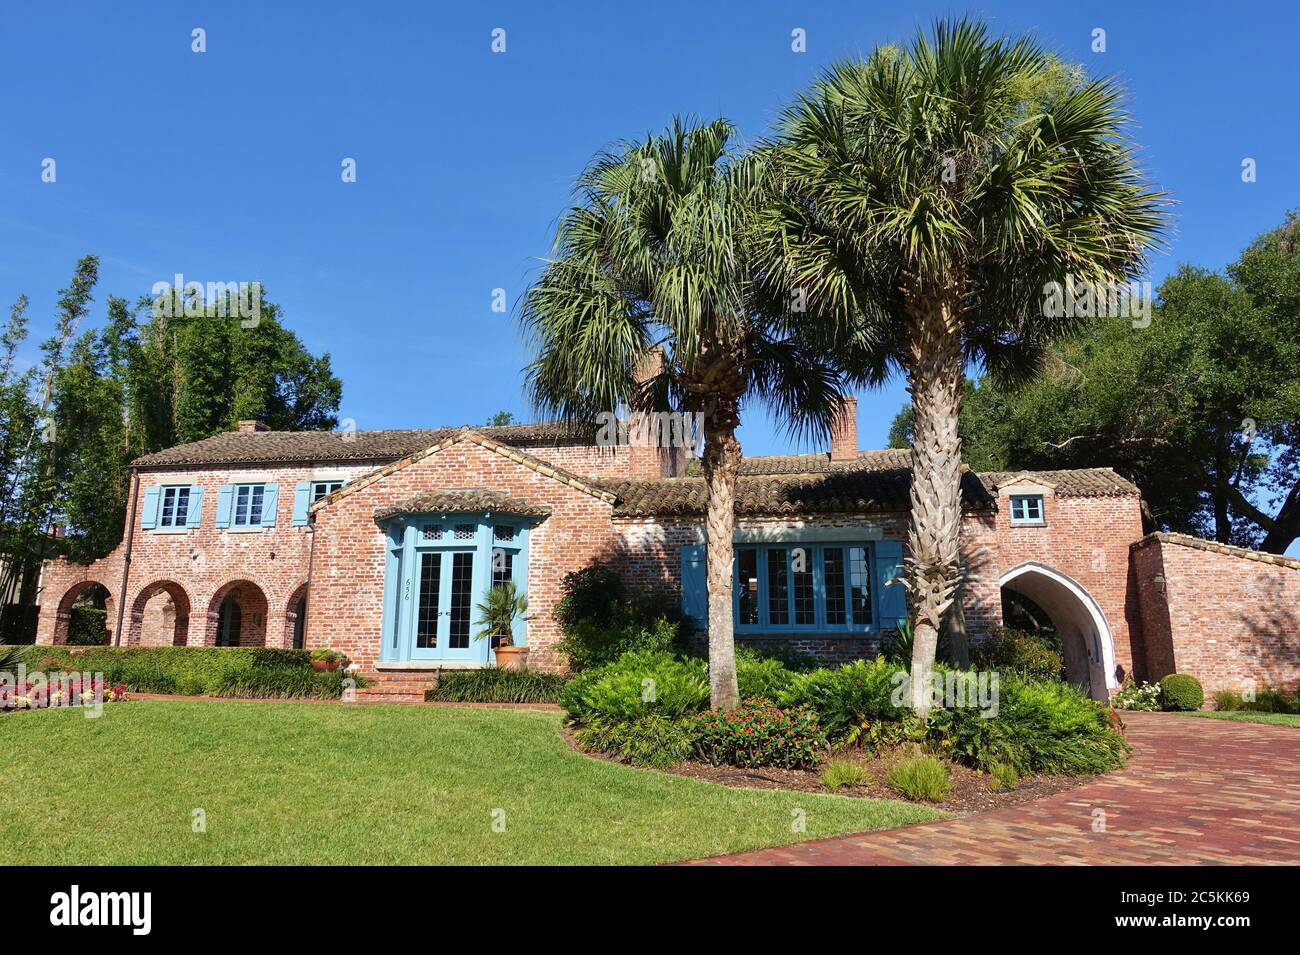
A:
934	380
721	467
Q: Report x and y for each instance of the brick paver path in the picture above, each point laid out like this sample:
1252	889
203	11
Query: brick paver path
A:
1196	791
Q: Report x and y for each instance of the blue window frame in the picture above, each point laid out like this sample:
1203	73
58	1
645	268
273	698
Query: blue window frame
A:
249	500
812	587
321	489
1027	509
174	507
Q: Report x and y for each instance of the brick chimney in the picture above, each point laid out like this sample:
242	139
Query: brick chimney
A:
247	427
844	431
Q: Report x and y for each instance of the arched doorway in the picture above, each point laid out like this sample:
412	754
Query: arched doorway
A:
160	616
85	614
237	616
295	619
1087	647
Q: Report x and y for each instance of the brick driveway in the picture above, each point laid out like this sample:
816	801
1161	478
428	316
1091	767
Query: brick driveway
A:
1196	791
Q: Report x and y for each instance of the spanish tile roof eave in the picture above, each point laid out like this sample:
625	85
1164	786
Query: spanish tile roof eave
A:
464	500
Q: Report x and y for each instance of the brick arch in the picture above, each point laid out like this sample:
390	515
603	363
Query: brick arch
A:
291	614
63	614
163	624
1086	637
250	599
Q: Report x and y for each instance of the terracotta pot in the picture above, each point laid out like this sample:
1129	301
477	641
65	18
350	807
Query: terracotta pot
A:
322	665
512	658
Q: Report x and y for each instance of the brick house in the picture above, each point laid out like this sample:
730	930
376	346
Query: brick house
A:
380	543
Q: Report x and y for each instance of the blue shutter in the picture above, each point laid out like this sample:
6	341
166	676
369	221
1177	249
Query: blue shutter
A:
149	512
301	501
893	597
270	498
194	513
225	496
695	598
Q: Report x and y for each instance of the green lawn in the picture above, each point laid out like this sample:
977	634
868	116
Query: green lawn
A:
285	783
1249	716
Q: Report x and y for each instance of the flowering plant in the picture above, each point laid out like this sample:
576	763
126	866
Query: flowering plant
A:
760	734
1135	696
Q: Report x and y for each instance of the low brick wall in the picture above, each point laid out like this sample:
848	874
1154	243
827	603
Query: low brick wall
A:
1228	616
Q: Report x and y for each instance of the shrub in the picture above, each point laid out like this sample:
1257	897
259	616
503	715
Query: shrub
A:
1004	776
495	685
920	778
600	621
1135	696
1016	652
631	627
88	627
759	675
758	734
588	594
842	773
652	740
1265	701
845	698
636	685
1180	691
1041	726
265	672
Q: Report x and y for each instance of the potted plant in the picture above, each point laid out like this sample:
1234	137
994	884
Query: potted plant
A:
497	614
323	658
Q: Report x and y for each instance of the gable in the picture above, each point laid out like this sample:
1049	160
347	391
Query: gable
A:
520	458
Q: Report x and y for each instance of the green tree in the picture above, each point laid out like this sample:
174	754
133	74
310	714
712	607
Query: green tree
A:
655	257
30	501
71	428
927	198
1200	409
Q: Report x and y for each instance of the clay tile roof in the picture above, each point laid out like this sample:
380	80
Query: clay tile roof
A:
816	463
841	491
792	484
264	447
444	500
1080	482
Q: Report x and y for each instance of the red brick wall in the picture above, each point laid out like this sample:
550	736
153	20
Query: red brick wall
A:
197	567
345	611
1227	616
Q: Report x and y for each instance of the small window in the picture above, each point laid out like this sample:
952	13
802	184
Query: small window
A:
248	505
321	489
431	532
503	532
465	532
174	507
1027	509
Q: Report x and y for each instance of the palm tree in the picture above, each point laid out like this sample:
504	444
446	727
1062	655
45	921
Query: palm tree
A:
655	259
925	198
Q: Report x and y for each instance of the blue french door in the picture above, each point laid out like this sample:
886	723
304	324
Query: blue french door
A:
439	621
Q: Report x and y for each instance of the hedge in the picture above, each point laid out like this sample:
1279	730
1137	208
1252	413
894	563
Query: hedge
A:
495	685
88	627
259	672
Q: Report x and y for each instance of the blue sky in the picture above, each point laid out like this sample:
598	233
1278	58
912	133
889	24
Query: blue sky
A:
225	165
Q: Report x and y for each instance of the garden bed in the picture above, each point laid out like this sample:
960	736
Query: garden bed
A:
971	791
